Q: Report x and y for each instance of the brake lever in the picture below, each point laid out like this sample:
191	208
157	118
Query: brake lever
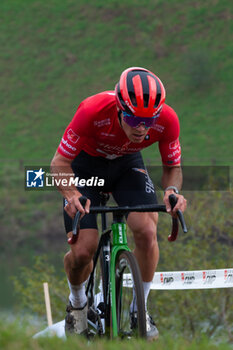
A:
76	222
175	225
173	201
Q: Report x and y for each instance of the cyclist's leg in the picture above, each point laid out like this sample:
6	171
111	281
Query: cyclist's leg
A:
78	261
144	228
78	265
134	188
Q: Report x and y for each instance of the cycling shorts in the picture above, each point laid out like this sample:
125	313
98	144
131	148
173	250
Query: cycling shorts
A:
125	177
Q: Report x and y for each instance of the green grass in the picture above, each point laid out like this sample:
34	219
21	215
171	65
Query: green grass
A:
19	337
56	54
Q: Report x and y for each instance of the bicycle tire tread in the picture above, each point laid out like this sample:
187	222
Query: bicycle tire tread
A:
137	280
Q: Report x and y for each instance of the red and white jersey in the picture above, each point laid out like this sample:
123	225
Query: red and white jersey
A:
95	128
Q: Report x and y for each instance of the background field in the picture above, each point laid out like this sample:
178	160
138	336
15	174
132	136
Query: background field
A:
54	54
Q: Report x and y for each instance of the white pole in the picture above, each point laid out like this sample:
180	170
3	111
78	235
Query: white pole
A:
47	304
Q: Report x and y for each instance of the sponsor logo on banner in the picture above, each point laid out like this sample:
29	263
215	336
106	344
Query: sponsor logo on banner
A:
166	279
127	280
228	276
187	278
200	279
208	277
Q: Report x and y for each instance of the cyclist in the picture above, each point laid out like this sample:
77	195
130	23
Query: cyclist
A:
103	141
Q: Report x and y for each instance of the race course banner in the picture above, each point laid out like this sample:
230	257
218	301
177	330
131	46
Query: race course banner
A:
202	279
176	280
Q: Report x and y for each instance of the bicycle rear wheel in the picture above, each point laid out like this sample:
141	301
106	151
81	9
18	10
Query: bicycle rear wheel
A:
128	277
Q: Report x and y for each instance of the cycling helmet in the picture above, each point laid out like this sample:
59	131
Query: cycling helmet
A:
140	92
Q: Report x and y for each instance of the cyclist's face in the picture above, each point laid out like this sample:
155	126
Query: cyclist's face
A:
135	135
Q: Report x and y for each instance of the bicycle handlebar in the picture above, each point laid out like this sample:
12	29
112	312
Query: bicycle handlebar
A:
123	210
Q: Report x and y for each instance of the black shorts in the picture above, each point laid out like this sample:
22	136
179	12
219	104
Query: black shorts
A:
125	177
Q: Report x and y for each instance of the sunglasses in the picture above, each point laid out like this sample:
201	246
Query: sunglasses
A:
135	122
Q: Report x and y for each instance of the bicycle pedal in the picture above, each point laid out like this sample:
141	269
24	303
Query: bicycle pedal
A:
101	306
92	315
101	309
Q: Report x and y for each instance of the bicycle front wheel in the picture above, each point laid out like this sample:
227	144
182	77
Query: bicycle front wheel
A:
128	279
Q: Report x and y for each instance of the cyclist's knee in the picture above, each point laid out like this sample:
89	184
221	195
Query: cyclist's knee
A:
146	239
82	258
81	254
141	223
145	233
79	259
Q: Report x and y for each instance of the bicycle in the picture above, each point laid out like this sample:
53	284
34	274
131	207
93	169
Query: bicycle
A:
116	273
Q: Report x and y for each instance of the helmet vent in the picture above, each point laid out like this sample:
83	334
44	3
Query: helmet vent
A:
158	97
133	98
145	87
122	101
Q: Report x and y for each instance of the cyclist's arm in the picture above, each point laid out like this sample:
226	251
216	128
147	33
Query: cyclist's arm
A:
61	166
172	176
71	144
170	151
